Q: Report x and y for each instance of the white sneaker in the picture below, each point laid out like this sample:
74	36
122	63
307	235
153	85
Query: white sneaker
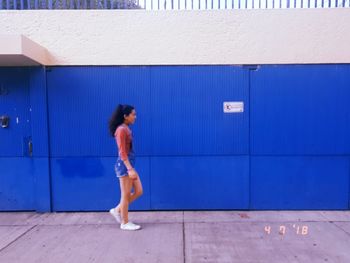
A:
129	226
116	215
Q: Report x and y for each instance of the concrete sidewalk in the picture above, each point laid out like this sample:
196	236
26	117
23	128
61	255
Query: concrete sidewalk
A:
191	237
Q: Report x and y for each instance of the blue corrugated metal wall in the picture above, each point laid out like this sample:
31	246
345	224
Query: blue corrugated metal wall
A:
16	181
170	123
300	143
24	179
289	149
199	158
81	100
14	102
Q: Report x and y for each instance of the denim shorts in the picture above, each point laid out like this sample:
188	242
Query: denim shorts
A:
120	168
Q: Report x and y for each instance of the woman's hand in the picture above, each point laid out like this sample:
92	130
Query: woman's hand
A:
133	174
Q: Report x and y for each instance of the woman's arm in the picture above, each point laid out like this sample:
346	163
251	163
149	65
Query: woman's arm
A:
121	141
128	164
131	171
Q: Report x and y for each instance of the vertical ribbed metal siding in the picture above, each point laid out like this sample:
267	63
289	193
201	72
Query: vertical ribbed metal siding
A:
299	182
300	109
188	100
299	128
300	143
14	102
195	142
187	110
288	133
17	173
81	101
185	102
200	182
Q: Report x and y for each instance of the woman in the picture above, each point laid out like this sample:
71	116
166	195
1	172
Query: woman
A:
122	117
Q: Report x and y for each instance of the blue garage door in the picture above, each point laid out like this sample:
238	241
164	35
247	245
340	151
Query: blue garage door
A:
200	155
289	149
300	143
182	136
16	176
81	101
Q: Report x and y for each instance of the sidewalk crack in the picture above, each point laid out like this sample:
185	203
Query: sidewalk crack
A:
334	223
183	236
17	238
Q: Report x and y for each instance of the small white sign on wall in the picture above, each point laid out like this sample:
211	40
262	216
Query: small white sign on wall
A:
233	106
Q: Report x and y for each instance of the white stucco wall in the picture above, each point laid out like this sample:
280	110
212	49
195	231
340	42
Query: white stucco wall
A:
136	37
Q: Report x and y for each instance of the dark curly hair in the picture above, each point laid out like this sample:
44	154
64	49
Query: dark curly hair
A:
117	117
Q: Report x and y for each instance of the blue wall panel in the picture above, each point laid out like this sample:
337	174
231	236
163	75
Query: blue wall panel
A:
300	109
81	101
200	182
14	102
89	184
187	110
190	155
299	182
40	138
17	181
42	186
38	102
16	184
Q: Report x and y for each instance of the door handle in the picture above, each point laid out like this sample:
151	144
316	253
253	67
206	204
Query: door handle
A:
4	121
30	148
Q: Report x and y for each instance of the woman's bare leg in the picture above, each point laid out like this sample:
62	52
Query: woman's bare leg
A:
125	189
138	191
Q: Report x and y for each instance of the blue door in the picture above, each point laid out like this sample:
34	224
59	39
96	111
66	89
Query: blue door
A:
200	154
82	153
182	136
16	175
300	143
